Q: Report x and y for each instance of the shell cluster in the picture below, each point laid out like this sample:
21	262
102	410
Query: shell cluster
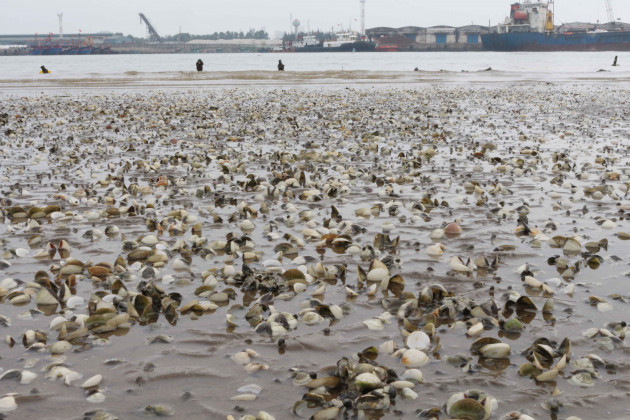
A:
339	253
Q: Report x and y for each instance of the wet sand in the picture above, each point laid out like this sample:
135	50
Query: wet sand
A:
527	172
104	82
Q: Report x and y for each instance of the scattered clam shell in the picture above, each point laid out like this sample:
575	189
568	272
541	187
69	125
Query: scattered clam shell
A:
92	382
96	398
414	358
60	347
7	404
435	250
418	340
303	218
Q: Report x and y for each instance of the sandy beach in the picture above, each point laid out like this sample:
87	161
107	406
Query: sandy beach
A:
347	252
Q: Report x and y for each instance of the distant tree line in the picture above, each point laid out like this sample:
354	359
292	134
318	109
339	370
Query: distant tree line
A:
185	37
251	34
321	36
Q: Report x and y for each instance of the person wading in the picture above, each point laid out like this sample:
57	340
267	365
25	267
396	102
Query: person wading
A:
280	65
199	65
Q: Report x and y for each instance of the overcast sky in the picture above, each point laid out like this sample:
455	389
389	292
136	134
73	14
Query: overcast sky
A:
207	16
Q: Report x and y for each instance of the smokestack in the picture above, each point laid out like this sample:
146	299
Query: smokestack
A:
362	17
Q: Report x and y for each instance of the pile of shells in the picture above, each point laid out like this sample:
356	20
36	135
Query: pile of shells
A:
213	239
356	388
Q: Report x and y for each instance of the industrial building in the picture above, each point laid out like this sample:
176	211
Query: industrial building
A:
34	39
232	45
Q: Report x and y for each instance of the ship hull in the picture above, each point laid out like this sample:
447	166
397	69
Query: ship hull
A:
55	50
534	41
387	48
58	50
359	46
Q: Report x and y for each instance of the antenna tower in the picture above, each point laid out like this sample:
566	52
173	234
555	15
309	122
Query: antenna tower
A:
362	17
60	15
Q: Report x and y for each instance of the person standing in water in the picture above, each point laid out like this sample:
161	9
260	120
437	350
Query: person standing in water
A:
199	65
44	69
280	65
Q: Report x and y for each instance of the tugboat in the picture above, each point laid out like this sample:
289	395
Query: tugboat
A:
343	42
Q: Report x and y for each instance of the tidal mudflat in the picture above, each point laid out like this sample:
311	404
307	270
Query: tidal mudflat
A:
434	252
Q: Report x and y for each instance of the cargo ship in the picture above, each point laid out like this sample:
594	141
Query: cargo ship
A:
530	28
343	42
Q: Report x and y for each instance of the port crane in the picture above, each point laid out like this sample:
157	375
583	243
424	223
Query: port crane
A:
609	11
152	34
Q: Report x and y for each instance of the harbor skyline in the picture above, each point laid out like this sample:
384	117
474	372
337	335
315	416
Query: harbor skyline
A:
197	17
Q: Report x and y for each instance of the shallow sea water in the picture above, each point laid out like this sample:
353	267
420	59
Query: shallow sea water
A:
364	138
21	73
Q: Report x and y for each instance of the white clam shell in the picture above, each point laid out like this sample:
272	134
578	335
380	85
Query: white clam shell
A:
70	376
27	377
179	264
435	250
93	381
456	264
242	357
149	240
75	301
387	347
495	350
475	329
250	389
243	397
418	340
414	375
409	394
7	404
60	347
572	245
312	318
96	398
374	324
437	234
415	358
402	384
378	274
367	381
